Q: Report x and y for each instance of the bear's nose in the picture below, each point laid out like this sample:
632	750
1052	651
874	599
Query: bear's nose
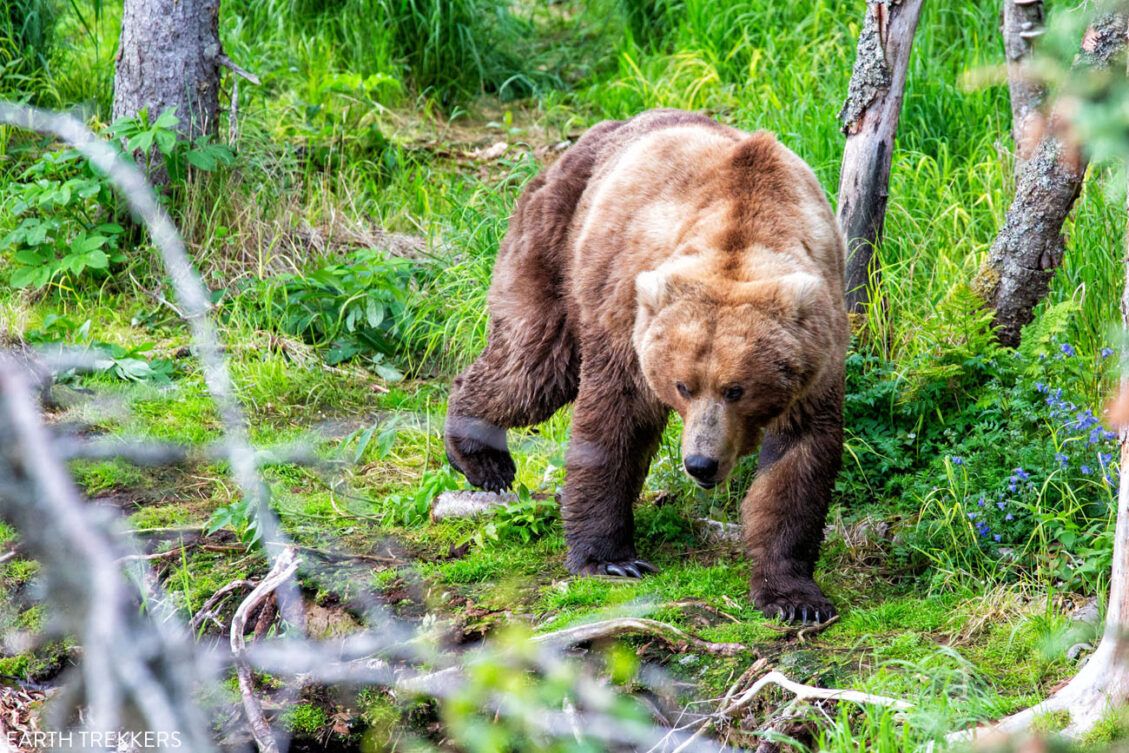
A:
701	468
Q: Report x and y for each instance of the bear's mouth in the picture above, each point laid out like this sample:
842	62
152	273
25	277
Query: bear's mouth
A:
705	484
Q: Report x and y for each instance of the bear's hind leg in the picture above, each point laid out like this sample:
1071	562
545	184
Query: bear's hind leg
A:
526	373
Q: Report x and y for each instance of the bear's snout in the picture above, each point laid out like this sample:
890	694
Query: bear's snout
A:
702	469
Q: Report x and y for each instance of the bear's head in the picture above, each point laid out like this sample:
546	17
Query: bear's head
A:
729	356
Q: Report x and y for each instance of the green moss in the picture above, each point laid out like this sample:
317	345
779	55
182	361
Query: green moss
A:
379	714
162	516
99	477
17	572
1112	727
304	719
15	666
1050	722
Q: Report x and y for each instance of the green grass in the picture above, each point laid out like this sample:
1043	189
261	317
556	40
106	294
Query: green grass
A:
366	128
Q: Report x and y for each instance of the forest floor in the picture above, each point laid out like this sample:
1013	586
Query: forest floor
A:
979	652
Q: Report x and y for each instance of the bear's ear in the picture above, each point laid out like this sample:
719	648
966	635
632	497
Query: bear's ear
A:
800	293
651	290
794	295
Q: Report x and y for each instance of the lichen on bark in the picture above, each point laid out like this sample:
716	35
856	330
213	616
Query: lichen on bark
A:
871	74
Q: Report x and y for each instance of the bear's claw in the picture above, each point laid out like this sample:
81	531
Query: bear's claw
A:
634	568
484	467
807	606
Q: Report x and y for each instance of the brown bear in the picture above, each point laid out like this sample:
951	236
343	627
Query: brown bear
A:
670	262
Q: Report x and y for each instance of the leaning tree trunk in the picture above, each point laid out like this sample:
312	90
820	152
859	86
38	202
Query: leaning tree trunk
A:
170	57
1029	247
870	120
1022	25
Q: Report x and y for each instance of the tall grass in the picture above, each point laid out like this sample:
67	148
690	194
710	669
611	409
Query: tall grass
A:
27	33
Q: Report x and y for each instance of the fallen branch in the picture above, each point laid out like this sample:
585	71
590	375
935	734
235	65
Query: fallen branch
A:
730	704
621	626
205	611
807	692
285	564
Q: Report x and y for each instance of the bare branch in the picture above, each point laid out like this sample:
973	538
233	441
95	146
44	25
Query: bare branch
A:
285	565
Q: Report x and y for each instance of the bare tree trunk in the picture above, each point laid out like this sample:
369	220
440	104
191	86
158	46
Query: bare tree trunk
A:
870	120
1029	247
1022	25
170	56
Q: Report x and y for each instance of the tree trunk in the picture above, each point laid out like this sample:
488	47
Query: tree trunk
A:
1029	247
1022	24
170	57
870	120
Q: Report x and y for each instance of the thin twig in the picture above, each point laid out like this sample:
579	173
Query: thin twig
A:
228	63
205	611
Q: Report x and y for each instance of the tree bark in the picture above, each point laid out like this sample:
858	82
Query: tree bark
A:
1029	247
870	120
169	57
1022	25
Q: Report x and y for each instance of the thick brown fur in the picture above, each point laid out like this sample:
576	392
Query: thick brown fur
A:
670	262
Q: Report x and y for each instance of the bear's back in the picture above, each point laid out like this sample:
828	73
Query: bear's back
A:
669	184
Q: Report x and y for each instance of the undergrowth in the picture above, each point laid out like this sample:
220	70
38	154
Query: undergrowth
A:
977	490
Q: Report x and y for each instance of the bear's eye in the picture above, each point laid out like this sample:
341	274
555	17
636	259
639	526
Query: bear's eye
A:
733	393
682	390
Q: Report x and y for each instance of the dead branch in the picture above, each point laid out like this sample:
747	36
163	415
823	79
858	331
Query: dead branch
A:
870	119
206	610
808	692
618	627
285	565
134	669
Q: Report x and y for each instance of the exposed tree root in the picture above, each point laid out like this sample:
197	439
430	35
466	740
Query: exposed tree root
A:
739	696
1102	684
285	564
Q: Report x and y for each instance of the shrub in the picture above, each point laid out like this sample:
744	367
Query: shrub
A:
68	228
1003	467
355	308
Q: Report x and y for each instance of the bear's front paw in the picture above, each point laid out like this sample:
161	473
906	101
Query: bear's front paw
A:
629	568
802	602
485	467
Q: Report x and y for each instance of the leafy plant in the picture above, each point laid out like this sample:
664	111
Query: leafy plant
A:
68	227
67	230
526	519
354	309
412	508
177	155
130	364
239	516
